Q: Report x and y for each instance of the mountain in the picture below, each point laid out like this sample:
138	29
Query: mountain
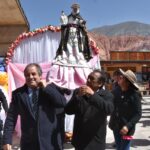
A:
127	36
125	28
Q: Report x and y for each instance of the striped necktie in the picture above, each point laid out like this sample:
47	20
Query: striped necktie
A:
35	102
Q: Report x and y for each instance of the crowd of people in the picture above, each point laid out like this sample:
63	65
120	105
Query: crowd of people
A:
42	106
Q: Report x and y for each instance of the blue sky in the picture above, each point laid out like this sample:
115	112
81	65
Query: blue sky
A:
97	13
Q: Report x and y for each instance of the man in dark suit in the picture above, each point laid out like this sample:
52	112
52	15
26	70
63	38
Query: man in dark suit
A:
36	103
91	104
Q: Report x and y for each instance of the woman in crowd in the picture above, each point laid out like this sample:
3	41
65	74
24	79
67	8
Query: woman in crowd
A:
127	112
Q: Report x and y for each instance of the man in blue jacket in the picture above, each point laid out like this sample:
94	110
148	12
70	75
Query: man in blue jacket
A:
36	103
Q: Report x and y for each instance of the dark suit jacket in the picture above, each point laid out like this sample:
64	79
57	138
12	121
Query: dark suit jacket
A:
90	119
3	101
43	134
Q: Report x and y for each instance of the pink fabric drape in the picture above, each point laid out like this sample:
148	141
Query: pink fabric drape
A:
65	76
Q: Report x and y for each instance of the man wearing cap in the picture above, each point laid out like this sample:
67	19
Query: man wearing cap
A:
127	112
74	44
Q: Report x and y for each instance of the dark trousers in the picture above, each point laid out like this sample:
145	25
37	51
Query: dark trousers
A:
1	141
1	128
121	144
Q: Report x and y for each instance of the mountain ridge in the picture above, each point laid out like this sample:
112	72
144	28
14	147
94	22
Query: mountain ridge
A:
127	36
124	28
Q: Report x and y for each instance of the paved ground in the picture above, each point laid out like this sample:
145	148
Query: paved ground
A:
142	135
141	138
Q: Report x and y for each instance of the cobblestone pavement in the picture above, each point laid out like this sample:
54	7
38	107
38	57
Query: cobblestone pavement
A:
141	138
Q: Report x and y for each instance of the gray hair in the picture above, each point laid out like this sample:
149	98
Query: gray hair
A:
38	67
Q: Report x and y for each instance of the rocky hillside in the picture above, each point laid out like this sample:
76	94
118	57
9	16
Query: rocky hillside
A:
125	36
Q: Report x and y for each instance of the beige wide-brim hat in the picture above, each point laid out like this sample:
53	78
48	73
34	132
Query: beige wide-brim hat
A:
75	5
130	76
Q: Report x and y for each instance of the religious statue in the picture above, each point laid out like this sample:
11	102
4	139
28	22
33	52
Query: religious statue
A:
74	45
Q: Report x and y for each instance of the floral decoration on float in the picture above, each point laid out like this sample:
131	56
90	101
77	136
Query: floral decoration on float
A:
25	35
